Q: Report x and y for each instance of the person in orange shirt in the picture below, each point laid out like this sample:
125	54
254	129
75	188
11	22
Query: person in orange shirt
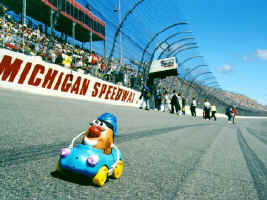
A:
234	114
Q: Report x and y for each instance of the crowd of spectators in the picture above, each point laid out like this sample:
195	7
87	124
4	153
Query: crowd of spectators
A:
165	98
31	40
161	99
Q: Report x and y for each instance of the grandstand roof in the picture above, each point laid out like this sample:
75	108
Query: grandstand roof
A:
71	11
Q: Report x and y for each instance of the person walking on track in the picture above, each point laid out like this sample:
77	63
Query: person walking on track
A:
174	103
213	111
234	113
207	109
193	107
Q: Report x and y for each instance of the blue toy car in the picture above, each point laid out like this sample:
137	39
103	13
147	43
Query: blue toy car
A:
91	162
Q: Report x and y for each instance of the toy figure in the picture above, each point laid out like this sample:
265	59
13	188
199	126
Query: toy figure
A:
97	156
101	133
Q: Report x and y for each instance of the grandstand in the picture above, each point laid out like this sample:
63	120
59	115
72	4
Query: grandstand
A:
70	12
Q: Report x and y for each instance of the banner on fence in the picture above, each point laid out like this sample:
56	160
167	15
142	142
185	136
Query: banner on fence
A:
164	67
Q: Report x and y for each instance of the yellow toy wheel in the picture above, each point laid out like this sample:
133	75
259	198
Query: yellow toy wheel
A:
58	168
101	176
118	170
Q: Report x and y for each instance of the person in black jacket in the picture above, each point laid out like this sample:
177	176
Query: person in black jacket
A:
183	104
145	94
59	58
158	98
2	10
174	102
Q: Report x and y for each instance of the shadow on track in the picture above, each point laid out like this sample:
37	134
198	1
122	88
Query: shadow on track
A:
39	152
73	178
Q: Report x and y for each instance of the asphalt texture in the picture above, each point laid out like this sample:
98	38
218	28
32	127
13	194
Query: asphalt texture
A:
165	156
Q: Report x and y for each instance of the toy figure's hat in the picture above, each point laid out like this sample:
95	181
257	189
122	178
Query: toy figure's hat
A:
110	120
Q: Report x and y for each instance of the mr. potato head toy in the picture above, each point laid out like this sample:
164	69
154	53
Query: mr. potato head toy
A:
101	133
97	156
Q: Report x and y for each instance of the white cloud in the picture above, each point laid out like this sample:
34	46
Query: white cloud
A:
224	69
262	54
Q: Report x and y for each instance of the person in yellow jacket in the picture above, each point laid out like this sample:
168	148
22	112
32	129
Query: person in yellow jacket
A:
67	60
213	111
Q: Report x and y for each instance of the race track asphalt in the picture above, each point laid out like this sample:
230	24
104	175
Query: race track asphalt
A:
165	156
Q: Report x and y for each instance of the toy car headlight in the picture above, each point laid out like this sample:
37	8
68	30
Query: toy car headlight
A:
64	152
93	160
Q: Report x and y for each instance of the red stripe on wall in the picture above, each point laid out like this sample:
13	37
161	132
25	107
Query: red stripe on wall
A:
75	20
49	4
84	25
77	5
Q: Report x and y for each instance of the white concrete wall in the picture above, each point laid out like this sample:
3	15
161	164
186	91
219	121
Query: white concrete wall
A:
32	74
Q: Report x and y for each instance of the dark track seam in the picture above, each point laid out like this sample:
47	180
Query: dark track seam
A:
260	136
188	172
256	167
39	152
264	124
154	132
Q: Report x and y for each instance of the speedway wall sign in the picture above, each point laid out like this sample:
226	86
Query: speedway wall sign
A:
32	74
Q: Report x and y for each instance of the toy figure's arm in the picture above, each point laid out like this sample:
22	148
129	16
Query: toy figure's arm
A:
75	138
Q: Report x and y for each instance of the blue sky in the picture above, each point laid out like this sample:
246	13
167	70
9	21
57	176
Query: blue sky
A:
232	37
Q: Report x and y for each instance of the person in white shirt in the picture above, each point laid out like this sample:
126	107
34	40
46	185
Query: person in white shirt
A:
180	103
165	101
207	109
193	107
